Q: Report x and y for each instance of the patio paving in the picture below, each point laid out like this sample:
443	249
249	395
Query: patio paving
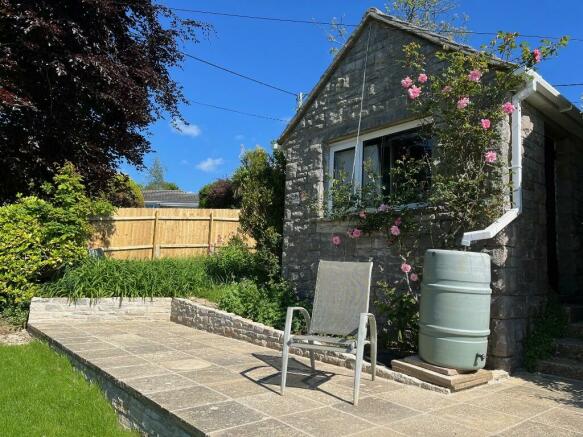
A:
221	386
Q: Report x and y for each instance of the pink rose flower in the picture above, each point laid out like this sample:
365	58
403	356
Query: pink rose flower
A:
414	92
395	230
490	156
413	277
508	108
446	89
362	214
336	240
475	75
537	55
407	82
463	102
383	208
354	233
486	123
398	221
422	78
405	268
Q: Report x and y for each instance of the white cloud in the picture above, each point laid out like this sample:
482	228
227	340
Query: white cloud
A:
184	162
239	137
191	130
210	164
242	150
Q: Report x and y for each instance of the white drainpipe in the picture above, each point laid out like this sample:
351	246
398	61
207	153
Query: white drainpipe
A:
509	216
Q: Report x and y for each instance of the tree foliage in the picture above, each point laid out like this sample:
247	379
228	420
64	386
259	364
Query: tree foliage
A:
124	192
218	194
42	236
80	81
156	178
435	15
260	184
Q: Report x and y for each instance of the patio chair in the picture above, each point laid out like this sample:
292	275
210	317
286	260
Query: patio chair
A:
339	318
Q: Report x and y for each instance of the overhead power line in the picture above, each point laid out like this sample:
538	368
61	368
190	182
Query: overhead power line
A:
228	70
331	23
266	117
567	84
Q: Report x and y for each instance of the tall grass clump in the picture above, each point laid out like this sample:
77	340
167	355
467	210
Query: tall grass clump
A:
106	277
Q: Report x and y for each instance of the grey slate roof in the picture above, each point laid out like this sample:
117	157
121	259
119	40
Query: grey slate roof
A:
377	15
173	197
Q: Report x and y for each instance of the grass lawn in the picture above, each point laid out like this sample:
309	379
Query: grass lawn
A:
42	395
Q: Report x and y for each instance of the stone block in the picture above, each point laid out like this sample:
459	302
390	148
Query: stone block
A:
455	382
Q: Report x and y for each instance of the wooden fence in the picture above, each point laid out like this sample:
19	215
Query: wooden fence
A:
146	233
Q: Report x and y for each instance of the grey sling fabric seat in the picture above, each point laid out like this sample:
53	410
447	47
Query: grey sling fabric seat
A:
339	319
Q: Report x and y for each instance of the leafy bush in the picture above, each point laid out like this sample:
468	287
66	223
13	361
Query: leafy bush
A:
236	261
401	309
260	183
267	305
40	237
124	192
15	314
106	277
218	194
551	324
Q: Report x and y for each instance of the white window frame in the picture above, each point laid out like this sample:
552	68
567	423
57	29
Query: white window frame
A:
351	143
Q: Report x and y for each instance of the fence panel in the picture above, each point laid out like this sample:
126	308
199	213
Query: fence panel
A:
146	233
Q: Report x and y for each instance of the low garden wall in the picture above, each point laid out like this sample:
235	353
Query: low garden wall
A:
43	310
195	315
190	313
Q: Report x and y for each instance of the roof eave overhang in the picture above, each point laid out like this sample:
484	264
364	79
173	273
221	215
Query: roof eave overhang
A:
553	105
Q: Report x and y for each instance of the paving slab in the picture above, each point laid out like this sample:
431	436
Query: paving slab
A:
377	411
191	382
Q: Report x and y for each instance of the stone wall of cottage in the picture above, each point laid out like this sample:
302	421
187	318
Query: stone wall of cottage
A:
519	255
334	115
520	281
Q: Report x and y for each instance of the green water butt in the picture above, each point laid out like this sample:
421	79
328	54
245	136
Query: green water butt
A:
454	317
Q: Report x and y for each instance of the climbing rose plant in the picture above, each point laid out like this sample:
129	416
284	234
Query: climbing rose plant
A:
463	99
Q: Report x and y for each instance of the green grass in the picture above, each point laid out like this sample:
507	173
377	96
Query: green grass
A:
42	395
167	277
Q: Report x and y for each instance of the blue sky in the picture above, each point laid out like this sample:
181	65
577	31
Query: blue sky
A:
293	56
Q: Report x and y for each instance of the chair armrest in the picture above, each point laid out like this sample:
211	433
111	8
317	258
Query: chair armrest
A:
289	317
372	323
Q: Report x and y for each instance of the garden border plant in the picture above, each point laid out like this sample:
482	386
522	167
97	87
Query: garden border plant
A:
462	98
42	236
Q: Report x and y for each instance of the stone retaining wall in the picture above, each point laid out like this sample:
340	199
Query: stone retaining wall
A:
89	310
134	410
189	313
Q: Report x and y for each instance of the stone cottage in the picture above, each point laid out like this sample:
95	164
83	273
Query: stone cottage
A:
535	247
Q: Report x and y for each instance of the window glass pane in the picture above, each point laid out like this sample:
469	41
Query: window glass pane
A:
380	154
343	164
409	145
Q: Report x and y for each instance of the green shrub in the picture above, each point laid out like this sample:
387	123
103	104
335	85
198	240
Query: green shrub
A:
40	237
124	192
267	305
235	261
218	194
260	184
106	277
551	324
401	309
15	314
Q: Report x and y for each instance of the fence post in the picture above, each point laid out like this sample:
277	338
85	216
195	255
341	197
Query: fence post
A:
210	232
155	250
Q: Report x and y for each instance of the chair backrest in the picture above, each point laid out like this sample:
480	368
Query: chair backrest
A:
342	293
